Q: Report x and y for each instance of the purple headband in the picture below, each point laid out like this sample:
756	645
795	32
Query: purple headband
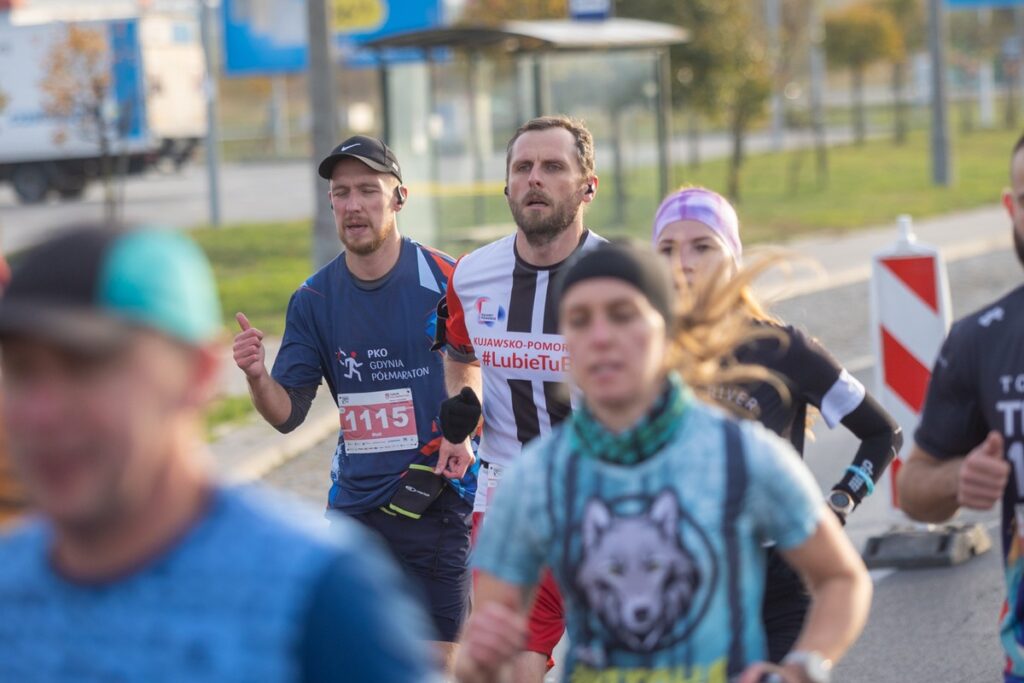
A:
703	206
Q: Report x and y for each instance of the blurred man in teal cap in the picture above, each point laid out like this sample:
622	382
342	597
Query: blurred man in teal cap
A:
140	566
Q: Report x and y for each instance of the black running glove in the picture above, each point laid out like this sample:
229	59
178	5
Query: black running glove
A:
460	415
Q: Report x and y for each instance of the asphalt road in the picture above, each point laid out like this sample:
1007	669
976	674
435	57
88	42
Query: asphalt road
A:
266	192
926	626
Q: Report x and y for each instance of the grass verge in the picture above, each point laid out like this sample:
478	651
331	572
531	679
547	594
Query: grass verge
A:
226	412
780	193
258	266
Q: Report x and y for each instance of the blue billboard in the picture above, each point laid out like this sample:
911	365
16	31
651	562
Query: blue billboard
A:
126	68
269	36
977	4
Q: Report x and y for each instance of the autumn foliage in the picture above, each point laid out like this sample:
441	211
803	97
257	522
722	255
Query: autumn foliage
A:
77	80
495	11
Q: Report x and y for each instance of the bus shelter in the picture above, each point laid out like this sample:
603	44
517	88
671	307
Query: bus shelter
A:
614	71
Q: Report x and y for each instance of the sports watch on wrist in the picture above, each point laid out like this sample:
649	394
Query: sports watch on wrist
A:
817	668
841	502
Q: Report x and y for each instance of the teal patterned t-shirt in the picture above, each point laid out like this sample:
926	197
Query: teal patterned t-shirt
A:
661	562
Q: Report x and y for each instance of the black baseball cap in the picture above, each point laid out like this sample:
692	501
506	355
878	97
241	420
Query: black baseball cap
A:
371	151
86	288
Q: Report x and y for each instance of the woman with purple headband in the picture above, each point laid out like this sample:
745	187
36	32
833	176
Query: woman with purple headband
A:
699	230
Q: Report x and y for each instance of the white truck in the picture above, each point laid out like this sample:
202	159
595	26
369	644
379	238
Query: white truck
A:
153	110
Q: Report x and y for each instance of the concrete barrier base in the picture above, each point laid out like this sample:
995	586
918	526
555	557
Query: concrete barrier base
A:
941	545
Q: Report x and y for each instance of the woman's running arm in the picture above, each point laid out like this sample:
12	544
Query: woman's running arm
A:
495	632
840	589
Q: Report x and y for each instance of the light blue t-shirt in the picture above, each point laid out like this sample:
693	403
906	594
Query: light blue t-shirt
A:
250	593
659	563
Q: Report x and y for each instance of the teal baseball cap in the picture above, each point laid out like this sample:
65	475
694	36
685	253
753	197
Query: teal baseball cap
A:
87	287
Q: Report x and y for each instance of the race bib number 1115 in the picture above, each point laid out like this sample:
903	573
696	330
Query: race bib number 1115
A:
378	421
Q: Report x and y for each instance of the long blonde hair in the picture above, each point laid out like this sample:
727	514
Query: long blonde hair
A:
715	321
712	322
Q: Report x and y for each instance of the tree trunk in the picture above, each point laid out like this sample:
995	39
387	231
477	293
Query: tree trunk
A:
1010	115
693	137
820	137
738	130
857	74
793	170
619	166
966	114
106	166
899	105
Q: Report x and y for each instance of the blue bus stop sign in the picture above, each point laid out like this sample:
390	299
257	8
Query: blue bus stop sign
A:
590	10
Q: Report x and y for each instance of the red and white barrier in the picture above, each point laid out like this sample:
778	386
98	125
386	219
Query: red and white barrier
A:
910	316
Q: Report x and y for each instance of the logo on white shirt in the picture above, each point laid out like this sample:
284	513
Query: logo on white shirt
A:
489	312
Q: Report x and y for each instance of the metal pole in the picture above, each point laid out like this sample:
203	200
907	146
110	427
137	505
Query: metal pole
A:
384	83
435	161
818	89
773	21
540	86
941	171
323	107
279	106
662	69
206	20
1018	20
475	151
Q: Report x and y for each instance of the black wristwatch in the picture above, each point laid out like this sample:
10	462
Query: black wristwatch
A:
841	502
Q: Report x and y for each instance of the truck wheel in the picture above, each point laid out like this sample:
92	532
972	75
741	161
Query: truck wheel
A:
31	183
70	185
70	193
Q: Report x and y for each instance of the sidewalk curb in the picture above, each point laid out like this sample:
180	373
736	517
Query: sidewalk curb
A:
280	450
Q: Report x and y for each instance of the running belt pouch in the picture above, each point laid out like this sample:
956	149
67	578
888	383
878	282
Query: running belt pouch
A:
417	491
441	325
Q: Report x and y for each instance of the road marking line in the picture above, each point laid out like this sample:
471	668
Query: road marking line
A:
879	575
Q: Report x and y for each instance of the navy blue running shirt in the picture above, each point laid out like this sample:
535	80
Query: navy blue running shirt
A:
371	342
977	386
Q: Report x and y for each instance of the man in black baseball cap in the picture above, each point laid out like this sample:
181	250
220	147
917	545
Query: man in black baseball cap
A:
362	323
371	151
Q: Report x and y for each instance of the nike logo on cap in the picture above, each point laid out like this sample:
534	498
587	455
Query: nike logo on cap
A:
350	146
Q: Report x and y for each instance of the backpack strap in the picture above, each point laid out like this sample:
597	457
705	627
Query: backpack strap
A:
735	490
798	434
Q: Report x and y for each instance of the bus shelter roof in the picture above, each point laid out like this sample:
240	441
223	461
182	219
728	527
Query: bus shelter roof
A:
552	35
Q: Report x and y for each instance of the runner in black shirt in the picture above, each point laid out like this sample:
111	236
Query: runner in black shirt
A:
969	446
701	229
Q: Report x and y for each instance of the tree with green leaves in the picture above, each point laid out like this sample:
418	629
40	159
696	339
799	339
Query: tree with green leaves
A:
729	70
857	36
910	20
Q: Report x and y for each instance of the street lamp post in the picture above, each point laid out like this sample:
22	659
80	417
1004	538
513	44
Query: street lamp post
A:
206	19
941	166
